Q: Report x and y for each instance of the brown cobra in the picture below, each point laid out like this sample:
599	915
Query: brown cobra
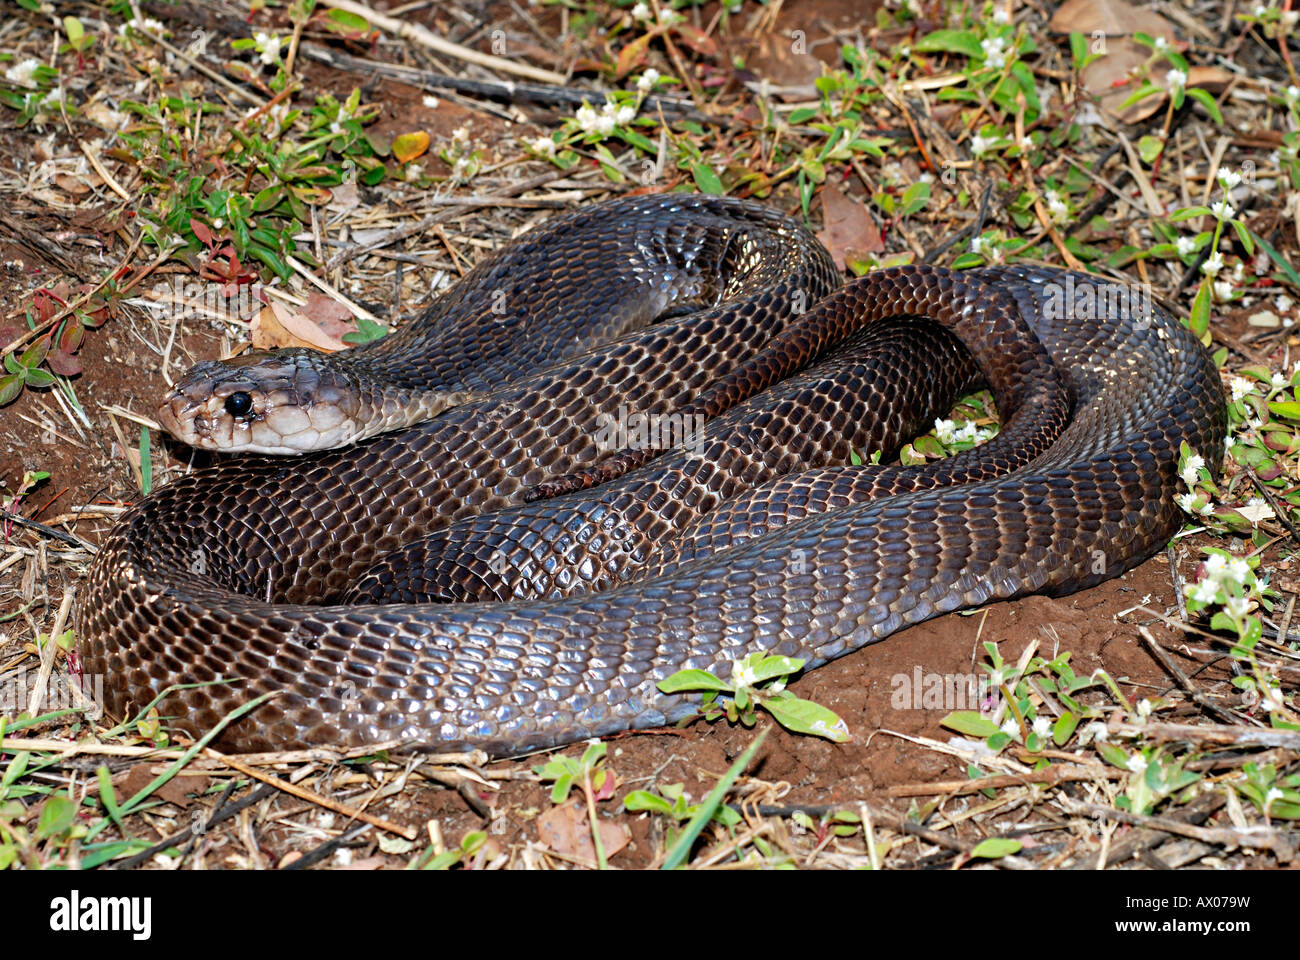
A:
326	577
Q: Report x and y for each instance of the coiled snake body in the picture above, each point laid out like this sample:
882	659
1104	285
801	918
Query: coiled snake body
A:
403	586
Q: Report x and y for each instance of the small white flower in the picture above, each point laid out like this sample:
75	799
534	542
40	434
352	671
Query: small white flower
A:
1011	728
1216	565
1186	245
1186	501
1026	144
1097	730
460	135
269	47
945	430
1207	591
641	12
1042	725
1176	79
1213	264
625	115
1222	291
1278	380
994	51
24	72
669	16
1228	178
1237	607
981	145
647	81
1292	94
1137	763
978	244
741	675
586	118
1239	569
1000	15
1191	470
1056	206
1161	44
1223	210
1272	698
430	101
1144	708
543	145
1273	794
1240	386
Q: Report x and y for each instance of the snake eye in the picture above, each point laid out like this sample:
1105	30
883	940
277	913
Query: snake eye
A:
239	404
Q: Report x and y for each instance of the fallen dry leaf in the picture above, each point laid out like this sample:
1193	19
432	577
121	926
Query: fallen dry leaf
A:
850	233
1113	22
565	830
276	326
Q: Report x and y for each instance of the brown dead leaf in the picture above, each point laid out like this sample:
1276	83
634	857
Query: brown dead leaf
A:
850	232
328	314
73	185
565	830
276	326
774	58
1112	23
1116	18
344	197
175	790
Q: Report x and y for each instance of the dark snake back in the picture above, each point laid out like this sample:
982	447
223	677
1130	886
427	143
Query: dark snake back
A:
236	572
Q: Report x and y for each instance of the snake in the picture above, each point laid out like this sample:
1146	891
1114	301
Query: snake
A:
638	438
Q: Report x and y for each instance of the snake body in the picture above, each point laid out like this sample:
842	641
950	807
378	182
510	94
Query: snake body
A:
530	624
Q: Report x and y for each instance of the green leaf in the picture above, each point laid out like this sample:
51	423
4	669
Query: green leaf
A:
706	179
1141	93
1285	408
1113	755
916	197
146	463
345	22
1186	213
769	668
1064	728
1198	321
1150	147
995	848
366	331
1282	263
804	716
107	796
57	816
692	680
10	387
951	41
34	354
802	115
75	31
1204	98
971	723
645	800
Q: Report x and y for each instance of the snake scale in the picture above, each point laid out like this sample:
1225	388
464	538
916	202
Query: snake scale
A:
410	584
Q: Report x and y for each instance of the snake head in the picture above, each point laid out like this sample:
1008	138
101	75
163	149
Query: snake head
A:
283	402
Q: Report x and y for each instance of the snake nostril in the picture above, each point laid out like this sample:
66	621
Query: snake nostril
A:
239	404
